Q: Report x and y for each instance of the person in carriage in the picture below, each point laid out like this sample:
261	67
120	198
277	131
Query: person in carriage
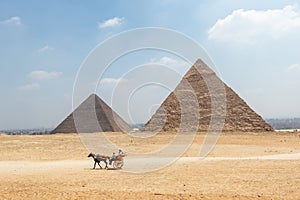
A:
115	157
122	153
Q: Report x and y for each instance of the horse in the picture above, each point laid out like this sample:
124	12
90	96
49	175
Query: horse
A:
98	158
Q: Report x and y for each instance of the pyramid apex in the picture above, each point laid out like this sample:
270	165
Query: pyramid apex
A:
203	67
199	61
93	95
199	67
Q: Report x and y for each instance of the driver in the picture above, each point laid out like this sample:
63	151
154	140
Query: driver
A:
122	153
114	157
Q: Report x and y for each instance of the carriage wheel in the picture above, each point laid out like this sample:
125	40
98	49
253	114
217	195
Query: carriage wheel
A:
118	164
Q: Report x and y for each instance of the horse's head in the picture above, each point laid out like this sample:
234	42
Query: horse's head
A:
90	155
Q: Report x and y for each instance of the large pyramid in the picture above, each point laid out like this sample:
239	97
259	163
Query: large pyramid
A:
238	116
92	115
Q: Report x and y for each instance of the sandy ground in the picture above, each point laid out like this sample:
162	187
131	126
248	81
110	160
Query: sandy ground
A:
241	166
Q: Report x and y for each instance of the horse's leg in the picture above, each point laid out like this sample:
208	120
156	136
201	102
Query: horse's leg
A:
94	165
105	164
99	165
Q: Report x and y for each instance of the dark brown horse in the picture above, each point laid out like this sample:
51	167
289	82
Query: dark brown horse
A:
98	158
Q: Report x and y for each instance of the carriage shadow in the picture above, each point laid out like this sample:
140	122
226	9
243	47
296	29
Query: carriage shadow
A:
110	168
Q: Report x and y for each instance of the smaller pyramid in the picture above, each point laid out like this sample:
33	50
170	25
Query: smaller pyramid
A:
92	115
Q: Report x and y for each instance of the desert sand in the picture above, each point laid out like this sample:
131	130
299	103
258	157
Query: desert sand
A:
241	166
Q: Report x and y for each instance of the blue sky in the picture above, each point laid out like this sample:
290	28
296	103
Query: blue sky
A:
254	44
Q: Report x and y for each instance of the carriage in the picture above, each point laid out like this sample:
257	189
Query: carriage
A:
117	161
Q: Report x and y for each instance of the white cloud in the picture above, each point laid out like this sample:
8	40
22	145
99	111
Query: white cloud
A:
112	80
106	85
171	62
45	48
294	67
44	75
30	87
116	21
245	26
15	20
